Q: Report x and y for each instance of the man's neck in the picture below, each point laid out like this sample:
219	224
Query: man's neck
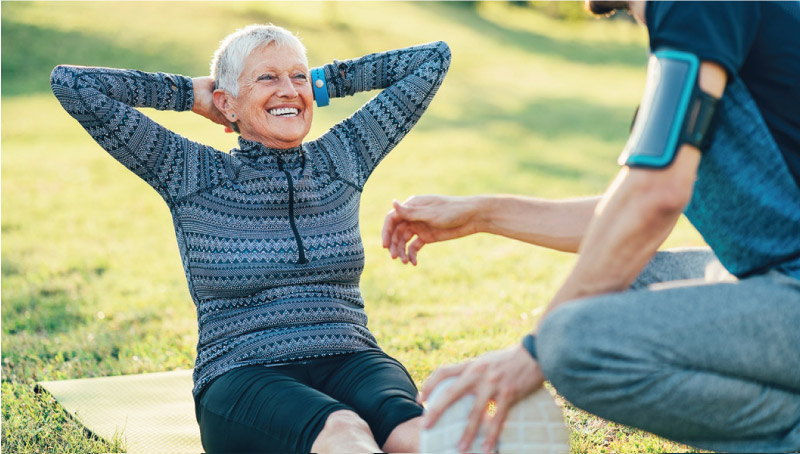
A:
637	10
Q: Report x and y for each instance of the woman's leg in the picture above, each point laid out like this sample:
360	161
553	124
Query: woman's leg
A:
382	392
715	366
272	409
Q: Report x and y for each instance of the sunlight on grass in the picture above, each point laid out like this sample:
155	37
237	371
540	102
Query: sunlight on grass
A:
92	284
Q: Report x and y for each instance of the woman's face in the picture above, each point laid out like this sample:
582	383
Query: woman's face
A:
274	106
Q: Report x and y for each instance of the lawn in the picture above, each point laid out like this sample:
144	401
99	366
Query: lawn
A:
92	284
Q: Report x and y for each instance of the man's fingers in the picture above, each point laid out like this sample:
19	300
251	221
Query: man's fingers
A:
414	248
476	417
389	224
409	211
407	234
398	247
461	386
494	426
437	376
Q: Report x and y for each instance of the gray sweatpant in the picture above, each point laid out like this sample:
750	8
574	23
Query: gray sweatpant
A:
690	353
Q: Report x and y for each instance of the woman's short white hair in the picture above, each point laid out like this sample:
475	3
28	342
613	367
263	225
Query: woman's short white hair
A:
228	61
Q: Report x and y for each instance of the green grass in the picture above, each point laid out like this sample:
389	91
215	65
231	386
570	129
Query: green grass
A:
92	284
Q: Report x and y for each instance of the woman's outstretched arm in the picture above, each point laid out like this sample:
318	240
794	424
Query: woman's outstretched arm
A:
103	100
409	78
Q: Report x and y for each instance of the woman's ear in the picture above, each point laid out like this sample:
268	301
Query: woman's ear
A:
224	102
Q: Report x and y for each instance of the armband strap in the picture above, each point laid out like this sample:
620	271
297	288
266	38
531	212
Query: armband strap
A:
529	342
674	111
320	87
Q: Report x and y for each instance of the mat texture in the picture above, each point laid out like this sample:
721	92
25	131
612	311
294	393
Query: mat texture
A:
151	413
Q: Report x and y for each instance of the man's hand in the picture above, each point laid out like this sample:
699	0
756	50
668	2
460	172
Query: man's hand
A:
503	376
204	101
431	218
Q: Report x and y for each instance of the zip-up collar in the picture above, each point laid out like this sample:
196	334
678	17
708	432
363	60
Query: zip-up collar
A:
259	155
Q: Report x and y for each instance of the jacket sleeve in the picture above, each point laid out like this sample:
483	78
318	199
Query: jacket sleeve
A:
409	78
103	100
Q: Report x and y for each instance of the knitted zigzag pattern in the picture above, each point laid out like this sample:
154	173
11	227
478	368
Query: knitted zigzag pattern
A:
269	238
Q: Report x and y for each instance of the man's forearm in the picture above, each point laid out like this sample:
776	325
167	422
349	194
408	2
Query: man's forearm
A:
554	224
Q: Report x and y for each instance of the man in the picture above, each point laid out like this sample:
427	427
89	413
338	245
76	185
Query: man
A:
705	360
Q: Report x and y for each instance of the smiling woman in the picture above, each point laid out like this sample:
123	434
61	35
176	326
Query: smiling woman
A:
270	99
269	236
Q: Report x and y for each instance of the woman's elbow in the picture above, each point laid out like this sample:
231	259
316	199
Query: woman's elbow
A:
443	50
60	78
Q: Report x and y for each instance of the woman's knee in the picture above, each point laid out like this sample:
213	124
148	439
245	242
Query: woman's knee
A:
346	422
345	431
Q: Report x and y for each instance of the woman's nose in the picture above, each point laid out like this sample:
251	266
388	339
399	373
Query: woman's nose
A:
286	88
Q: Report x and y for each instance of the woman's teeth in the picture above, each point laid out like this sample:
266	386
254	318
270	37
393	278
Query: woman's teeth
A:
284	112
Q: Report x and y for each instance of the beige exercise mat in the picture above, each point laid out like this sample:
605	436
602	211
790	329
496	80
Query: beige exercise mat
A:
151	412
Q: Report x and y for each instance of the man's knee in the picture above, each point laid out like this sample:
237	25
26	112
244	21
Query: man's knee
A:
570	347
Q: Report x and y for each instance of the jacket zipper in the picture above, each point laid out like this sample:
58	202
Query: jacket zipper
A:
300	250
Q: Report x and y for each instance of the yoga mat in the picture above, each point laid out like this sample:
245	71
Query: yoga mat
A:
152	413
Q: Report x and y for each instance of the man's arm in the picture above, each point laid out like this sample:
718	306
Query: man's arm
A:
555	224
635	216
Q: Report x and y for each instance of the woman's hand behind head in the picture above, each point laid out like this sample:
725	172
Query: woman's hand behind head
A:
204	101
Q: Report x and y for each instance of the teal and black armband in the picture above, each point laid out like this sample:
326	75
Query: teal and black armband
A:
320	87
674	111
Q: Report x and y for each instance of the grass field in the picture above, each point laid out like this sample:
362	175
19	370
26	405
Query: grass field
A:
92	284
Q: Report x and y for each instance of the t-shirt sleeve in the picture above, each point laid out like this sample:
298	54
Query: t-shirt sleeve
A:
722	32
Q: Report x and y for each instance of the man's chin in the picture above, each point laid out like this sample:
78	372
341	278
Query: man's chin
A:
605	8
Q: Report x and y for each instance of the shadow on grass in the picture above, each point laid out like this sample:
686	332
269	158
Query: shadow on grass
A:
591	54
30	52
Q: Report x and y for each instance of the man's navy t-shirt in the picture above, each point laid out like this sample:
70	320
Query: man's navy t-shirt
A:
757	41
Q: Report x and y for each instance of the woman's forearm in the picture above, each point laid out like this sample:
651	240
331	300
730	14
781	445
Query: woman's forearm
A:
383	69
409	78
554	224
103	101
83	89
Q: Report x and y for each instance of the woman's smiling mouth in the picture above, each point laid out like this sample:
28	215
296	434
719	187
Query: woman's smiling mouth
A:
284	112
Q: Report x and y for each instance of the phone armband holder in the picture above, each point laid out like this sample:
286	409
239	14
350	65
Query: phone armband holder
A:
674	111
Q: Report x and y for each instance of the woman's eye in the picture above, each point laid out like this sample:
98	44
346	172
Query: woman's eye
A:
301	76
265	77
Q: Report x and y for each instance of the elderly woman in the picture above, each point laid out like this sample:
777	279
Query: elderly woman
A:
268	233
